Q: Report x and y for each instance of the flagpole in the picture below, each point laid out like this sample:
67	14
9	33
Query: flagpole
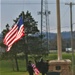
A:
25	42
59	31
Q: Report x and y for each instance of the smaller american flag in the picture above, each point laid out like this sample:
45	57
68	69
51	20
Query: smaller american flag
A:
14	34
36	71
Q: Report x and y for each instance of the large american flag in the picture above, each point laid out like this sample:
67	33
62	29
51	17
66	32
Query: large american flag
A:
14	34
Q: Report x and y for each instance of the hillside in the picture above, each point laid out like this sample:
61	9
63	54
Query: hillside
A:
65	35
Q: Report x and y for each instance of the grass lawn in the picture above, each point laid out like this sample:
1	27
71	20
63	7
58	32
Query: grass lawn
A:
6	66
7	69
13	73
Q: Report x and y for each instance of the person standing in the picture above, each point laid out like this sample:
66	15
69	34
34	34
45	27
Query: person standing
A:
42	67
46	66
30	68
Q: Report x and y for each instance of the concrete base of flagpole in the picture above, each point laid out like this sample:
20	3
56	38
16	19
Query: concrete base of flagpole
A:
62	66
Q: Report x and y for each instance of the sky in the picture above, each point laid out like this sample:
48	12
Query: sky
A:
0	16
10	9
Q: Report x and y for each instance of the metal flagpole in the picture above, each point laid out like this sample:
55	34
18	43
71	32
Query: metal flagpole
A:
25	42
58	31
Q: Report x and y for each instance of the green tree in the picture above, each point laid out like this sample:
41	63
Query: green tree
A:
22	45
30	28
6	30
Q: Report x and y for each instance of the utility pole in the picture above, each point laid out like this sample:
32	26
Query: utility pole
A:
70	4
41	20
44	22
58	31
59	63
47	23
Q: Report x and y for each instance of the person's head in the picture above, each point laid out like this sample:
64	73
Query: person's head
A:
47	61
41	60
30	62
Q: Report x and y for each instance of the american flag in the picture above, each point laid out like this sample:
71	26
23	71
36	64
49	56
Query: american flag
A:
36	71
14	34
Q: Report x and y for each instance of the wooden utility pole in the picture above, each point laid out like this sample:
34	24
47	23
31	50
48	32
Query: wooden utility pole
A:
58	64
71	33
58	31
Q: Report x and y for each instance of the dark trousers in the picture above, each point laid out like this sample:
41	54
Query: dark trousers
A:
30	73
43	73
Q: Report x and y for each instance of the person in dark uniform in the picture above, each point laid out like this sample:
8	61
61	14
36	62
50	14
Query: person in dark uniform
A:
42	67
30	68
46	66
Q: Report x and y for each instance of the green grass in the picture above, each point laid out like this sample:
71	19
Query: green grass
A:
6	65
67	56
6	68
13	73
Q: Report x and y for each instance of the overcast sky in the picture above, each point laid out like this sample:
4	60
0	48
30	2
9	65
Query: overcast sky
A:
10	9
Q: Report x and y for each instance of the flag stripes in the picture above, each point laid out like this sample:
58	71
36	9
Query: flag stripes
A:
14	34
36	71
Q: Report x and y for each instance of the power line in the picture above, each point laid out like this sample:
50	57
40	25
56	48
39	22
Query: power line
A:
65	13
61	27
24	3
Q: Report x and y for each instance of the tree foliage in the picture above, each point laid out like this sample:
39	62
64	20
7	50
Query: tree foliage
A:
22	45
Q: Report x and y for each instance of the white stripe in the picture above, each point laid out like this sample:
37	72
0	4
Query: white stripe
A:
16	38
11	39
20	33
12	42
8	37
13	35
9	48
10	31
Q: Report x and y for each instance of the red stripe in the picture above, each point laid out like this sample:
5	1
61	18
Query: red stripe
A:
11	39
16	38
9	34
36	71
13	35
10	31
